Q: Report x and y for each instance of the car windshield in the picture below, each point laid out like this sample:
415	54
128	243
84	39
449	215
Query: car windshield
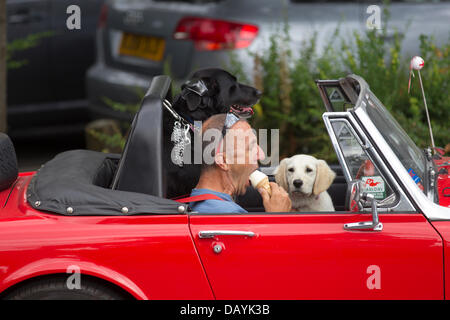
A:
412	158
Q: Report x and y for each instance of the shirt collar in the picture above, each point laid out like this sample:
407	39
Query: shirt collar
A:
224	196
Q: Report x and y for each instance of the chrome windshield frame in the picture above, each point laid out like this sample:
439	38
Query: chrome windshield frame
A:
402	201
426	205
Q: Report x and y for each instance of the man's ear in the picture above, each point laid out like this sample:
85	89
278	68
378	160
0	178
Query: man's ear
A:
280	175
219	159
324	177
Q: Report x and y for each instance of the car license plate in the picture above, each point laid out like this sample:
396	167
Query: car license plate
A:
141	46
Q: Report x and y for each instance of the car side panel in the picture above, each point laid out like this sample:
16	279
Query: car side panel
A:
312	256
443	227
154	255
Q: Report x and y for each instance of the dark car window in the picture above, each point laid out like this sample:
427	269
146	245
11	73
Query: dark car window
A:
189	1
367	1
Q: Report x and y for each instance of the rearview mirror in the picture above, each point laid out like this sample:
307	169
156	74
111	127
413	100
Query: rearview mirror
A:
355	200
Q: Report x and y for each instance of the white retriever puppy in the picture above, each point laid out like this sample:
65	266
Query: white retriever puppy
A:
306	179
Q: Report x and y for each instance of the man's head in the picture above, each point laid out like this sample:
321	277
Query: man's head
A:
232	149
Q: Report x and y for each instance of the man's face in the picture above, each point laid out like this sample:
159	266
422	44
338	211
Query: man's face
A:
242	154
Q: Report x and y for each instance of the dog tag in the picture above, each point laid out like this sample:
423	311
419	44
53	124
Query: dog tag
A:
187	139
179	140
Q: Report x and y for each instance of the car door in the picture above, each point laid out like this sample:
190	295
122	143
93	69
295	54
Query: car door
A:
311	255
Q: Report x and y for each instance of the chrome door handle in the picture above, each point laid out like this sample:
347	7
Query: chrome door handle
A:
366	225
212	233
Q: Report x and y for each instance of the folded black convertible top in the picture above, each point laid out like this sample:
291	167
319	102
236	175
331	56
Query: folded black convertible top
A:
77	183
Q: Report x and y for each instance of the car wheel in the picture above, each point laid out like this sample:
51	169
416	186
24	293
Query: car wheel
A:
8	162
56	288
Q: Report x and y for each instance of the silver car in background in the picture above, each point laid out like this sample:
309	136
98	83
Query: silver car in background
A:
138	39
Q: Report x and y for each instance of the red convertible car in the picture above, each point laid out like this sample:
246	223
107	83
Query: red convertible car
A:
65	233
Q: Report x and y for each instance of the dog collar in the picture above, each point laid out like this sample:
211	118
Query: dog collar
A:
184	122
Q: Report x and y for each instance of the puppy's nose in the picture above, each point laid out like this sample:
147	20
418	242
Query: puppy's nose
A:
297	183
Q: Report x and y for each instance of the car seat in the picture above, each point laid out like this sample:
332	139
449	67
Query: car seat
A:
140	167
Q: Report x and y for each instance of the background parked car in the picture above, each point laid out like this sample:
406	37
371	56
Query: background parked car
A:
142	38
46	93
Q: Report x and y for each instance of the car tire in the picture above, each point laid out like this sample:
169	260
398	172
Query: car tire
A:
8	162
55	288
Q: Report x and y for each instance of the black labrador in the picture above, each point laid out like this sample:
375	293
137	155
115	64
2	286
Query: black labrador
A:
206	93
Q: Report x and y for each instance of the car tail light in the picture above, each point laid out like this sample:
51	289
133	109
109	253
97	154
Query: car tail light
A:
211	34
103	16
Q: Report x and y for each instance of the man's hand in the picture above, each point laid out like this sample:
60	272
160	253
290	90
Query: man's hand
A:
279	202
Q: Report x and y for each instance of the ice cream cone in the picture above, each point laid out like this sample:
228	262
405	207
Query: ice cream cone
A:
265	185
260	180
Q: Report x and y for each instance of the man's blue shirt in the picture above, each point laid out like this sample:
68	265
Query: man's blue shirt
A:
215	206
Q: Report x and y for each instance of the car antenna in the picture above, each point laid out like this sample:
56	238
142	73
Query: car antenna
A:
417	63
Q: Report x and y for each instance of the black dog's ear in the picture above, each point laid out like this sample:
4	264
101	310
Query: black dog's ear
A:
198	92
192	100
207	102
192	92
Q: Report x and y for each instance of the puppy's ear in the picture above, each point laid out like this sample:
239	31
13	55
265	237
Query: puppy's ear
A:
280	175
324	177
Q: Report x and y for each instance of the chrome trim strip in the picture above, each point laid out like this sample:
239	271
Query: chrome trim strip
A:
339	116
212	233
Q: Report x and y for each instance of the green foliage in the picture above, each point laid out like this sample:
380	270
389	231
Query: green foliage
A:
111	143
131	108
291	100
15	46
116	142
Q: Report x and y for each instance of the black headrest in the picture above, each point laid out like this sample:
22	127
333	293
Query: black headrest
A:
141	164
8	162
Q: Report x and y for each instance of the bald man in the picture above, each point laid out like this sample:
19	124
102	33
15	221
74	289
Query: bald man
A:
234	157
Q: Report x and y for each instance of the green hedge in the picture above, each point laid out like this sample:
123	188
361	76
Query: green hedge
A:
291	100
